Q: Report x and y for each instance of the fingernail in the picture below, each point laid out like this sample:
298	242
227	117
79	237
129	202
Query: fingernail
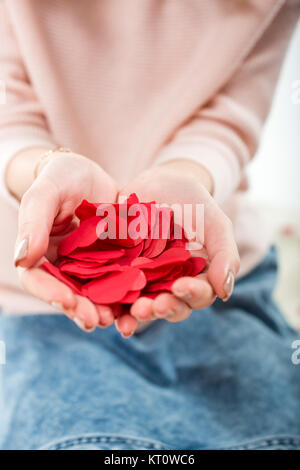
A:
60	308
159	315
128	334
105	315
228	286
80	325
57	305
138	317
183	294
89	330
116	325
21	251
168	313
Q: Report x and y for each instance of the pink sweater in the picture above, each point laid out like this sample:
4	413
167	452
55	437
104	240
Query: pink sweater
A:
134	83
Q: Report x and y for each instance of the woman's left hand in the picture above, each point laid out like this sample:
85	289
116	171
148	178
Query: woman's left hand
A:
186	182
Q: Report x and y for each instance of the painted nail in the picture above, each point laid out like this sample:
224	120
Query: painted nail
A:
80	325
21	251
228	286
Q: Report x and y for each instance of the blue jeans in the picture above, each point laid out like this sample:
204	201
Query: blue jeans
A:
224	378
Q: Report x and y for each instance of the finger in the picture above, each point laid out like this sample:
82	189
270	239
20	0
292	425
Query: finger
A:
170	308
106	316
47	288
36	215
85	314
126	325
222	251
142	309
197	292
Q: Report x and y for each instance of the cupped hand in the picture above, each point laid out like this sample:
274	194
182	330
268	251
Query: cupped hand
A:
186	182
46	213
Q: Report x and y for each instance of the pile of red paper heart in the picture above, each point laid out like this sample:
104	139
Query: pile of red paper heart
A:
134	262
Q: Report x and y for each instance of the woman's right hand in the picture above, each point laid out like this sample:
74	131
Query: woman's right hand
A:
46	213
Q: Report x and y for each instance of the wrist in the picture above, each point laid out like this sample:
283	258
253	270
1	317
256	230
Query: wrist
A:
45	157
196	170
19	174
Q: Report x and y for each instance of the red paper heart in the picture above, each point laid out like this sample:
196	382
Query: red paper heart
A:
118	271
114	286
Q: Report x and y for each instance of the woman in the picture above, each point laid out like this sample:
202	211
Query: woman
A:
165	99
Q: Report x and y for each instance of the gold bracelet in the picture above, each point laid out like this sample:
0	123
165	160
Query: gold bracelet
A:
45	155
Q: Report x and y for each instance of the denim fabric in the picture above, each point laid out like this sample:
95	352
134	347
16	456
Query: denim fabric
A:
221	379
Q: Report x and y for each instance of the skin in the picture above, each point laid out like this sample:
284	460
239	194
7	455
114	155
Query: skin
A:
46	213
188	182
47	204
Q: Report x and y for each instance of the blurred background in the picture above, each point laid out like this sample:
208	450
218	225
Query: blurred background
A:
275	180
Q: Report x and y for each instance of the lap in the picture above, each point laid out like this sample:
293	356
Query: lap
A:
222	378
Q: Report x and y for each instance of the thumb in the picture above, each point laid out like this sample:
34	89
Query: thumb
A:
37	212
222	252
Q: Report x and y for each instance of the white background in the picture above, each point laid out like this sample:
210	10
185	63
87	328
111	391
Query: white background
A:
275	171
